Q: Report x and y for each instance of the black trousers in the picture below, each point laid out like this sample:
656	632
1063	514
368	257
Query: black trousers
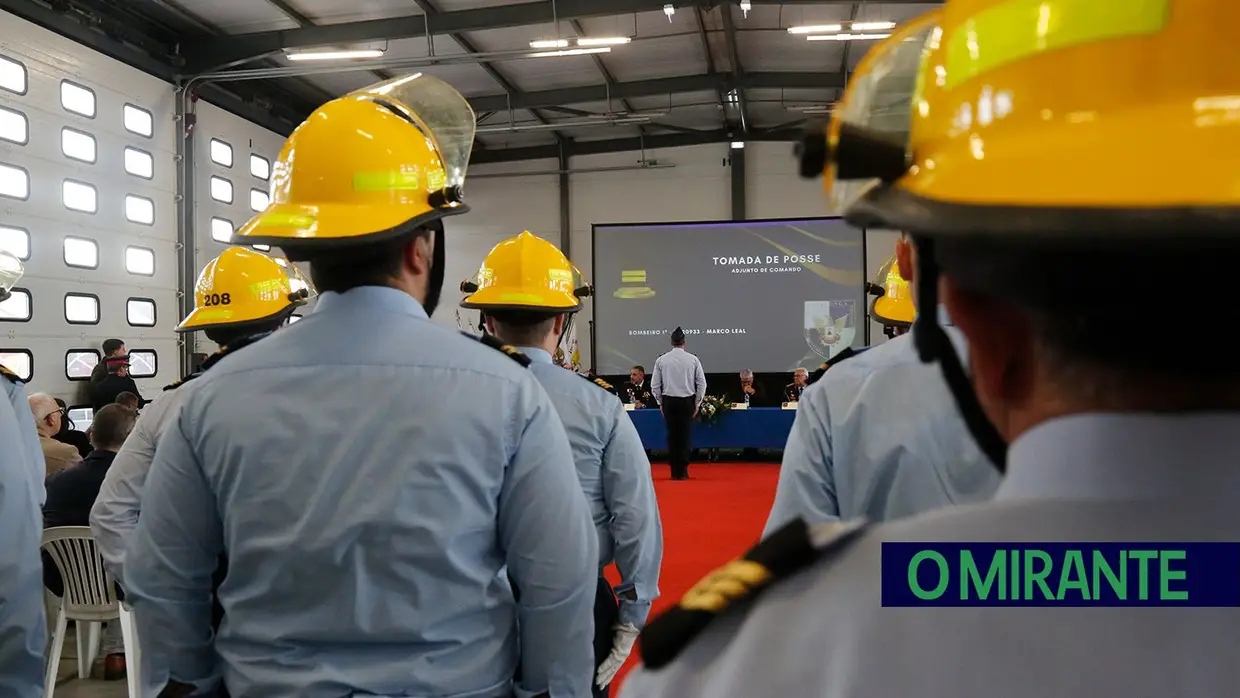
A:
678	414
606	615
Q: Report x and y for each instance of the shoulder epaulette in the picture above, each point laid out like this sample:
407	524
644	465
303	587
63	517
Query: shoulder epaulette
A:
9	375
511	351
183	381
600	383
783	554
821	370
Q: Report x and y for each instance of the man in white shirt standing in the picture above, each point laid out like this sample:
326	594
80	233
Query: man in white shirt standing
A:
679	385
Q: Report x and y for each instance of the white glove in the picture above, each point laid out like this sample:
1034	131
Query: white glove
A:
622	645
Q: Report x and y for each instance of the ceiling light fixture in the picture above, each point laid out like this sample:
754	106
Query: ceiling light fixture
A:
738	145
816	29
871	26
604	41
746	6
549	43
669	9
571	52
334	55
847	37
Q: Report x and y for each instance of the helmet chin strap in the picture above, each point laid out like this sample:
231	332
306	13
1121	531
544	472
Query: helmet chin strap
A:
933	345
434	285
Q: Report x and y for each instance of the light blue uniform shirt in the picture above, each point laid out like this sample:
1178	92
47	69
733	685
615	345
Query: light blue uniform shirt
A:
879	437
115	513
615	474
16	394
370	476
677	374
23	623
824	633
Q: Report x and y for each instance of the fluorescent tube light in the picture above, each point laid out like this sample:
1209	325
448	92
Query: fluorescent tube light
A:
604	41
847	37
816	29
571	52
738	145
871	26
334	55
549	43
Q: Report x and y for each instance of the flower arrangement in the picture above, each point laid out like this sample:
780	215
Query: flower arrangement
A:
712	409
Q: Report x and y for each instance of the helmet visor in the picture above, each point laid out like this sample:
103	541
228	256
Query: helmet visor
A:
880	96
438	108
297	281
11	270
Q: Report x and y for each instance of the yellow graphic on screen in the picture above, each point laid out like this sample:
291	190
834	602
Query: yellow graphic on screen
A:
639	290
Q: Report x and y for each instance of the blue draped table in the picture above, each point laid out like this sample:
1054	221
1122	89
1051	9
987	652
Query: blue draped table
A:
757	427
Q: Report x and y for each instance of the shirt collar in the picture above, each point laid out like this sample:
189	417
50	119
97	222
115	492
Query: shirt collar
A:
382	297
536	355
1126	457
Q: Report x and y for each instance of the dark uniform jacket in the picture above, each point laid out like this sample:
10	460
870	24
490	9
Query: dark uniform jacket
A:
792	392
638	394
756	399
105	391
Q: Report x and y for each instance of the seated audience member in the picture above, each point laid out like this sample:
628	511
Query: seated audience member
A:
792	391
747	391
128	399
70	495
111	348
48	418
116	381
69	433
636	391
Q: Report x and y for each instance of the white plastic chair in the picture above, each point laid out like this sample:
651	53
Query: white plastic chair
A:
89	600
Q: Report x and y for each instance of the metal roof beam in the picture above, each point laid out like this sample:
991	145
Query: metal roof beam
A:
622	145
656	87
215	52
729	34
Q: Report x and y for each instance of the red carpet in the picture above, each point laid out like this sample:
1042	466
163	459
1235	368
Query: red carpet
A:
707	520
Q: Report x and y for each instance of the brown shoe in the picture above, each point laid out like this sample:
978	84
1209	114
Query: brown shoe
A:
114	667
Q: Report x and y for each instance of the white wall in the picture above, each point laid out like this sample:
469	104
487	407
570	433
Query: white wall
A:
697	188
47	336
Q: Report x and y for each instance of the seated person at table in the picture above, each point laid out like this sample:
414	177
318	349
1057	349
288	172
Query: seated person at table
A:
746	391
792	391
636	391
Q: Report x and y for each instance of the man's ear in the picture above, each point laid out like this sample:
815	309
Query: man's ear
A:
420	254
906	258
1001	345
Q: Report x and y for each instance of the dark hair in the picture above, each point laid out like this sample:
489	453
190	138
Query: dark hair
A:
128	399
227	335
111	426
638	368
371	264
111	346
522	327
1093	309
66	423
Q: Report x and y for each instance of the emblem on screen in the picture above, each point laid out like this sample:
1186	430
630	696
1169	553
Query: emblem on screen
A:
830	326
633	286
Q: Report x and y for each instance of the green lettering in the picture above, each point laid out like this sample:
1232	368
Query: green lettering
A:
1013	590
1102	568
1037	576
970	577
1143	557
1167	574
1072	576
944	575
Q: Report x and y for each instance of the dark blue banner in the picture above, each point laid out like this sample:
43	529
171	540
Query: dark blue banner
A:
1061	574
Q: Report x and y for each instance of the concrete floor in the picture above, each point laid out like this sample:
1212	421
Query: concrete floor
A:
68	685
